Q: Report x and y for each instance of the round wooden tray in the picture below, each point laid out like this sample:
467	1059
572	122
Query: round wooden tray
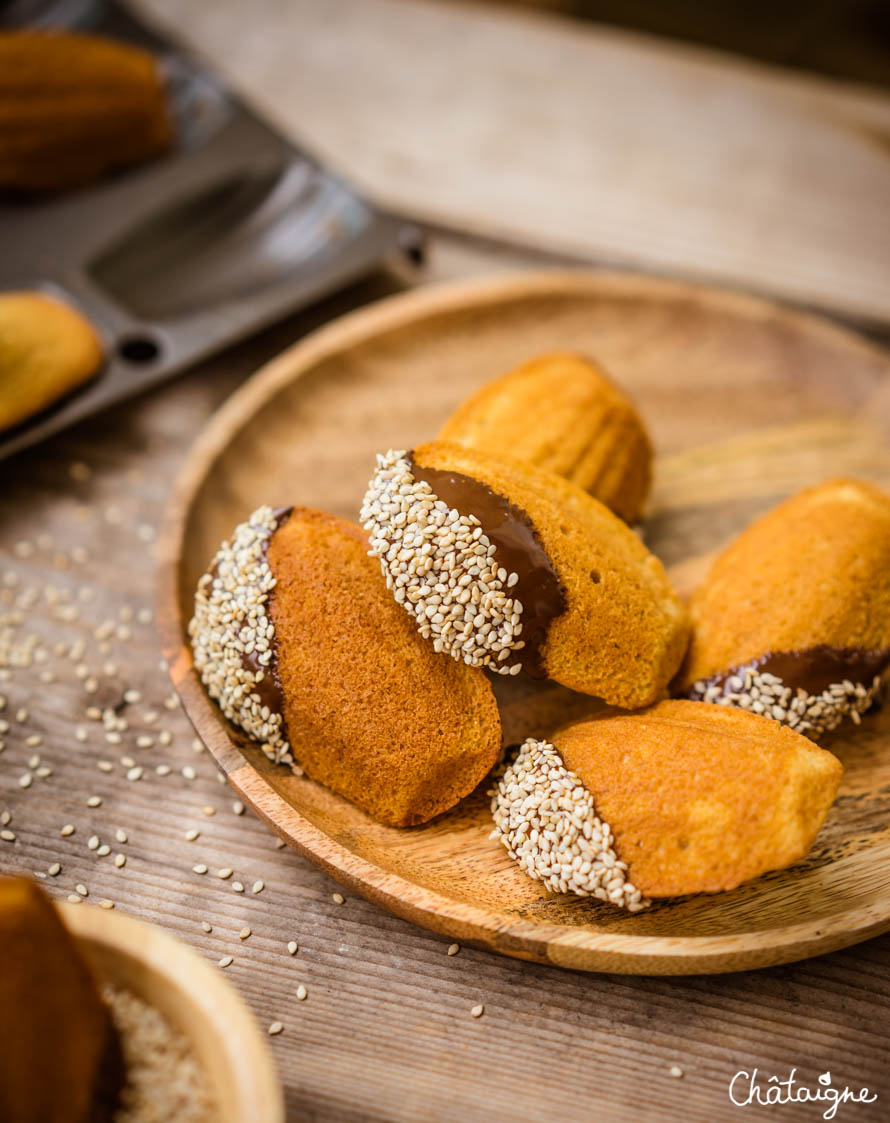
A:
747	402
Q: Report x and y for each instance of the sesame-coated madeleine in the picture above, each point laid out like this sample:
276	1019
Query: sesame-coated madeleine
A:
562	412
681	798
507	566
297	638
47	349
794	619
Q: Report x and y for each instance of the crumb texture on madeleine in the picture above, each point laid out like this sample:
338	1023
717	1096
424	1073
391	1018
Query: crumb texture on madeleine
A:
701	798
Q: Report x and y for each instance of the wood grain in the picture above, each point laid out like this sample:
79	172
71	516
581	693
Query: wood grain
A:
306	429
195	999
385	1035
609	146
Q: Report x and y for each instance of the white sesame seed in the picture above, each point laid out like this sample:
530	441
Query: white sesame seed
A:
81	890
103	851
121	835
135	773
302	993
67	830
227	960
106	904
105	766
34	741
237	887
93	842
676	1072
120	860
192	835
74	899
257	887
224	873
200	868
478	1011
238	807
25	780
275	1028
94	801
206	926
244	933
453	949
208	810
188	772
54	870
163	769
538	801
292	947
7	835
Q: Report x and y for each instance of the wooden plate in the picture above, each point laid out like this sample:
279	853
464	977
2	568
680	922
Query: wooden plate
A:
747	402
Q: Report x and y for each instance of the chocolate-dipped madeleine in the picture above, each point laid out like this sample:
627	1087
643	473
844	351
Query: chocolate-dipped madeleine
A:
681	798
509	567
562	412
298	640
793	620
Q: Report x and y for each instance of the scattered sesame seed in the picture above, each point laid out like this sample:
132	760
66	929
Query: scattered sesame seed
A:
21	715
104	850
676	1072
74	899
104	765
200	868
275	1028
135	773
257	887
206	926
33	741
93	842
121	835
82	890
226	960
192	835
120	860
144	741
237	887
94	801
54	870
478	1011
547	821
238	807
131	697
127	762
244	933
44	771
453	949
67	830
302	993
25	780
188	772
5	818
292	947
225	873
7	835
106	904
165	738
338	898
163	770
197	745
208	810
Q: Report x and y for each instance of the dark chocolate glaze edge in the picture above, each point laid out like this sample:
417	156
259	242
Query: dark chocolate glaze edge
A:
813	669
518	550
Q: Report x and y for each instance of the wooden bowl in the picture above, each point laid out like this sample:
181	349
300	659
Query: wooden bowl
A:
194	998
747	402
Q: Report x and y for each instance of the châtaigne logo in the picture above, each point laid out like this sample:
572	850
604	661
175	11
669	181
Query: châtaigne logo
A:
748	1088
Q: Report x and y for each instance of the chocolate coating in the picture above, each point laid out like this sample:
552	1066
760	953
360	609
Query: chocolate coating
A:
268	689
510	530
813	669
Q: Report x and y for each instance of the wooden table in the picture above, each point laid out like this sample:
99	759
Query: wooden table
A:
386	1031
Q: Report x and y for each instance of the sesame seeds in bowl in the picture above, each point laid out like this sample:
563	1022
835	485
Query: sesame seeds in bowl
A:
547	821
442	569
233	638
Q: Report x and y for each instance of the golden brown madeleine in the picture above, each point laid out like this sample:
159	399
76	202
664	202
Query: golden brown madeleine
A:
54	1013
794	619
561	412
348	691
510	567
75	106
682	798
47	349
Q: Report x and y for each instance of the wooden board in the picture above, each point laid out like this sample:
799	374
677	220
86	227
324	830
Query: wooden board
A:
747	402
601	144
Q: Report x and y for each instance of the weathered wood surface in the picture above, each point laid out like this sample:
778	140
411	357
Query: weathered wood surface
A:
386	1032
566	135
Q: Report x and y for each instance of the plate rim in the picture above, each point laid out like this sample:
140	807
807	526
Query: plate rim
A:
540	941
